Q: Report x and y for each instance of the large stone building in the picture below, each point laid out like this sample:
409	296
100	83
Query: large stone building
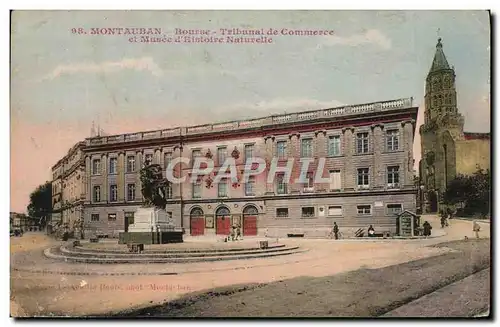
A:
68	193
368	162
446	149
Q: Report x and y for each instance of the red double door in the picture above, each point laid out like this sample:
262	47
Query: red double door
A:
197	226
249	225
223	225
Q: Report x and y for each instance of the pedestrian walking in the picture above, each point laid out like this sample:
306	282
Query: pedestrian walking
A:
476	228
336	230
427	228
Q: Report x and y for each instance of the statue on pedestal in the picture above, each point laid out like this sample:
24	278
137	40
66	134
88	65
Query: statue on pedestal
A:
154	186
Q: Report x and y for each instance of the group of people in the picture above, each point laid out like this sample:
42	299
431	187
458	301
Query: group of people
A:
445	216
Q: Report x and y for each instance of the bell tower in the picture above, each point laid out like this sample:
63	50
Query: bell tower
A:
440	88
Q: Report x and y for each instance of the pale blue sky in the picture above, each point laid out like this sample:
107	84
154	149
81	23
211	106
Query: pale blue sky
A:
61	82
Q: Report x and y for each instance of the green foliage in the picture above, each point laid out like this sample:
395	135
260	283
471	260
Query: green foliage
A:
471	193
41	201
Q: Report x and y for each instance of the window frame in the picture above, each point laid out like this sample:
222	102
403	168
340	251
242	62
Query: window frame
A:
308	216
363	213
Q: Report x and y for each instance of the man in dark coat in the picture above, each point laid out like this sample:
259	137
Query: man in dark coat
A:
427	228
336	230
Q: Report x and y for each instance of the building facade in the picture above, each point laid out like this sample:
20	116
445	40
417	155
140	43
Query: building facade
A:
68	191
446	149
366	151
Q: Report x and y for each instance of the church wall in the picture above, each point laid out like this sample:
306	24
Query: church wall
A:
471	153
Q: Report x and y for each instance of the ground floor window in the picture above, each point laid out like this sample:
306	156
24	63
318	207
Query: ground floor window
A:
129	216
282	212
308	212
364	210
334	210
112	217
394	209
94	217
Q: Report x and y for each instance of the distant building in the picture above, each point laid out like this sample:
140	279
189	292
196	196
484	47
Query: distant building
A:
368	163
446	149
20	220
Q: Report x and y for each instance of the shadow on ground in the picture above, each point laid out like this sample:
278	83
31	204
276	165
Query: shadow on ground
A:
360	293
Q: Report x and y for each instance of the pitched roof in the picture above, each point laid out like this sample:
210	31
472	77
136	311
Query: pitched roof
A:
439	62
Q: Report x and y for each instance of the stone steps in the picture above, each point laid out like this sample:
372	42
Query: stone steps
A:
56	254
174	254
174	251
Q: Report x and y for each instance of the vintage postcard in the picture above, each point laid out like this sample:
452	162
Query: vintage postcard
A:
250	164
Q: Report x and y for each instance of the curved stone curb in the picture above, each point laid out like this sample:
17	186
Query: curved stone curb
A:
177	254
48	253
154	273
175	251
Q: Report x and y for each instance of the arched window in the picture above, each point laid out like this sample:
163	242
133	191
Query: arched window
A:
250	210
222	211
196	212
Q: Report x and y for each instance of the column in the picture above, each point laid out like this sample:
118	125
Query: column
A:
294	152
378	169
407	169
320	149
120	179
104	176
88	184
138	167
268	156
349	173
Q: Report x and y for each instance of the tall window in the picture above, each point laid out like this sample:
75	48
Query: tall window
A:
248	151
306	148
97	194
130	164
168	159
362	143
197	189
113	193
309	184
168	191
148	158
195	153
335	180
221	155
96	166
250	186
130	192
363	178
281	186
222	188
392	140
334	145
281	149
112	165
392	176
394	209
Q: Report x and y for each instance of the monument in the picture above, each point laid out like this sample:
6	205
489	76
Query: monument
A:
152	224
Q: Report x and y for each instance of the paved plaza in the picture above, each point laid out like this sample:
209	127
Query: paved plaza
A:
41	286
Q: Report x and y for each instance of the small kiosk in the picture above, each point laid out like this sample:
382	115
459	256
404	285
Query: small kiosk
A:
408	224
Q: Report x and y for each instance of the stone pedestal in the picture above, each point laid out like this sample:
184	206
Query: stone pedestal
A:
151	226
151	220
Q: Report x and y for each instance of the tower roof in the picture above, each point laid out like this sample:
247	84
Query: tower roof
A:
439	61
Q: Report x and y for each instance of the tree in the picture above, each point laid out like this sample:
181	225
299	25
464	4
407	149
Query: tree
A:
40	205
471	193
